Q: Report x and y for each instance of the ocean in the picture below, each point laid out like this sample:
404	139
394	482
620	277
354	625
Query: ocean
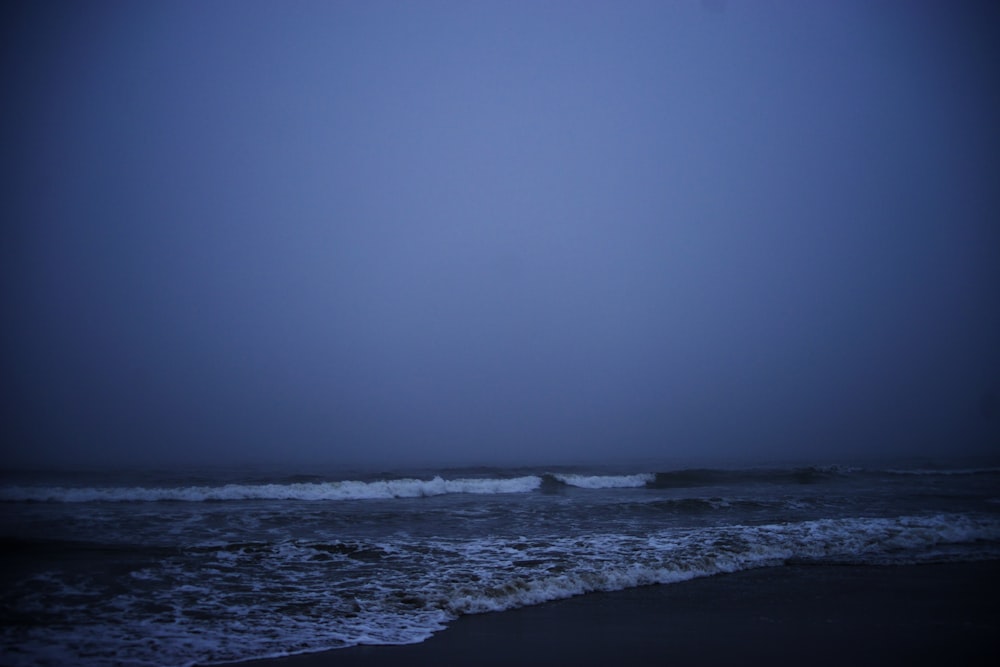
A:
208	565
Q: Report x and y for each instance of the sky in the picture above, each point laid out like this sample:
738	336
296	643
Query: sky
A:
475	232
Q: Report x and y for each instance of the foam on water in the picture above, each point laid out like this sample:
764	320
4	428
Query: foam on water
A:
234	601
615	562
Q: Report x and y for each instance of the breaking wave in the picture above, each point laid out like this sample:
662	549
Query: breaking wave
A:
314	488
606	481
343	490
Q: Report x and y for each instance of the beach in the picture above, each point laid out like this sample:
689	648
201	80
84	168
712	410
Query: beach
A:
946	613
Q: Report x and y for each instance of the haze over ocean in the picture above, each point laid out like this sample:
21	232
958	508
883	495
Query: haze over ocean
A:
498	232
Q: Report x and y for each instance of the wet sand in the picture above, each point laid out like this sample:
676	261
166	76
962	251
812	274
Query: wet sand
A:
941	614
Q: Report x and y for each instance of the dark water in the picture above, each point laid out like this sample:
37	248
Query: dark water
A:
173	568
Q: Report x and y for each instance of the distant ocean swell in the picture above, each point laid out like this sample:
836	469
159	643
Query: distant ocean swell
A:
437	485
336	490
341	490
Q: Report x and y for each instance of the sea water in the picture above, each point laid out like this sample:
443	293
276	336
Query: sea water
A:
213	565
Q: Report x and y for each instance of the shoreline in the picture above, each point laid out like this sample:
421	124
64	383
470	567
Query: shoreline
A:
942	613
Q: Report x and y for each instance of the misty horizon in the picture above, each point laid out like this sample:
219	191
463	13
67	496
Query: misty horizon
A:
391	234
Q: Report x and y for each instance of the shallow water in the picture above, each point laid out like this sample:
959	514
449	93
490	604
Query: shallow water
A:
177	567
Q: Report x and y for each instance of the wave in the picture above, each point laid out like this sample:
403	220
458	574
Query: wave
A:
311	490
342	490
605	481
492	481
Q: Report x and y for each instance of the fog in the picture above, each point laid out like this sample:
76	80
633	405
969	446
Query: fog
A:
388	232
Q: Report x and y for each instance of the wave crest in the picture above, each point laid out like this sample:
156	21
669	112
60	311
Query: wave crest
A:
606	481
343	490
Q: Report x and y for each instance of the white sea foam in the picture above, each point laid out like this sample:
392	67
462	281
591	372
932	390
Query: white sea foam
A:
606	481
616	562
344	490
404	590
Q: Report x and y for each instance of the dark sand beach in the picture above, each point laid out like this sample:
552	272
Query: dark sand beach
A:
938	614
